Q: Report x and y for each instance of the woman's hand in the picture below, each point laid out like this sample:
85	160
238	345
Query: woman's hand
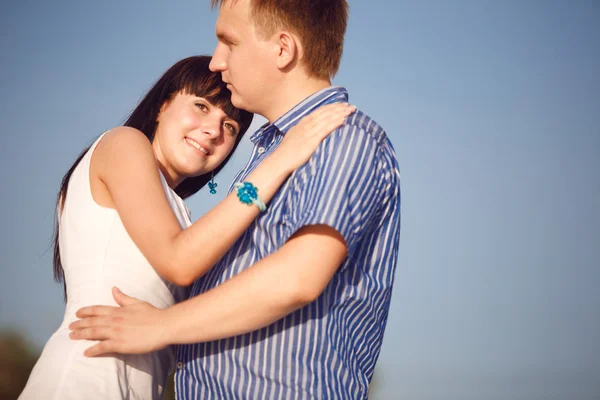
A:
301	141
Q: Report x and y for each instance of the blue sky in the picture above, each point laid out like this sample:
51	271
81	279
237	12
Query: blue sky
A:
494	111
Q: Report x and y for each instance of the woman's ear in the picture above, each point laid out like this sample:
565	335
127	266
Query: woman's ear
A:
162	108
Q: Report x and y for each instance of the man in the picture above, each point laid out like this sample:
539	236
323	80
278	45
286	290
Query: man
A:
297	308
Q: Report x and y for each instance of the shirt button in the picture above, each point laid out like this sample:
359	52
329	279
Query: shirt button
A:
179	365
261	150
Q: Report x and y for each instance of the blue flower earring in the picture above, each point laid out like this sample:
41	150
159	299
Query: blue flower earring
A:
212	185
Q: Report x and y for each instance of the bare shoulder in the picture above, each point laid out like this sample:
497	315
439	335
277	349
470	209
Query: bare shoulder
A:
125	138
122	148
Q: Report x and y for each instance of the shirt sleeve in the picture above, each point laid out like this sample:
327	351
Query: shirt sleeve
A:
340	186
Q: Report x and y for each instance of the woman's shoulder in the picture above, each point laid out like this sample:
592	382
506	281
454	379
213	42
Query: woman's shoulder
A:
126	136
123	147
126	141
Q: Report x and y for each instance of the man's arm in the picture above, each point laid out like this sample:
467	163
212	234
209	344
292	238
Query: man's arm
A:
274	287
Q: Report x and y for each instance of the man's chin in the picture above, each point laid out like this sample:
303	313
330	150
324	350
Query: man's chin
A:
236	100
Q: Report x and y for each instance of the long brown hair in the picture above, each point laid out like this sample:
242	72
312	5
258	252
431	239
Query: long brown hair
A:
191	76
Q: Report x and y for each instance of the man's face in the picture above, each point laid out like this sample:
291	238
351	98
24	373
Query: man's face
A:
245	59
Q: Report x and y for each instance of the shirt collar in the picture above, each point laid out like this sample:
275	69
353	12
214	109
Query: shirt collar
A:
331	94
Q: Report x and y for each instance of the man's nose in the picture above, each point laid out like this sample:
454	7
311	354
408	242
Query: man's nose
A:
217	62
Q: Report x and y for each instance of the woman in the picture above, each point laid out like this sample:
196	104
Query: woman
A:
122	220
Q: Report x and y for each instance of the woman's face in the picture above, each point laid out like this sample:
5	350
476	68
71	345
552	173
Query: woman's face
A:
193	137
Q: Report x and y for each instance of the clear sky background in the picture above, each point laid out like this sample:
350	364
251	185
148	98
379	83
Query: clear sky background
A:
493	108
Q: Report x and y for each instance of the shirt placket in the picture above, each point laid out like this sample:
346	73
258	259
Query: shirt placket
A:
261	149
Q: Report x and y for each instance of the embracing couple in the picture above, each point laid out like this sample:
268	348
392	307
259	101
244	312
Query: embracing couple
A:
281	291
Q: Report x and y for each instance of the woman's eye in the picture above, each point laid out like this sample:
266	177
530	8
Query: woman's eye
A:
230	127
202	107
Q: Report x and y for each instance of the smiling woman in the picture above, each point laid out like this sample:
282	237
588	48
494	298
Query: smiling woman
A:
190	77
209	133
122	220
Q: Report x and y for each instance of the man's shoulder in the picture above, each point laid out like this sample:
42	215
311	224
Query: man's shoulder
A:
362	128
359	123
361	120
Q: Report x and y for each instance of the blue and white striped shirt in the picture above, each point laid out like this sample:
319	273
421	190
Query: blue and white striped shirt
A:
328	348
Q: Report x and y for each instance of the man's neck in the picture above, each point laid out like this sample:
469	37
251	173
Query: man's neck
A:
292	93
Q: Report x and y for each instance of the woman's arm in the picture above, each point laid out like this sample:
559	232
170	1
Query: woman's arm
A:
125	163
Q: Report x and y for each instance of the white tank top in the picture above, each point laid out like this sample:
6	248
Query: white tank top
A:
97	254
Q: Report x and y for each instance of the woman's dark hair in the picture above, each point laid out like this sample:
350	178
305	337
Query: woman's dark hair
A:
190	76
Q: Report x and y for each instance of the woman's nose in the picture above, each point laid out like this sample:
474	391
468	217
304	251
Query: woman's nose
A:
212	128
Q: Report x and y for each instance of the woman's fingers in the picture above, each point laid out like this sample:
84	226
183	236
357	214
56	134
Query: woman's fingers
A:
334	118
330	121
303	139
328	112
329	108
323	120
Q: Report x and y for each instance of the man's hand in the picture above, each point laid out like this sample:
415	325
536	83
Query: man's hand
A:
136	327
279	284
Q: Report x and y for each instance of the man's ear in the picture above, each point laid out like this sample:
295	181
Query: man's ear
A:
289	50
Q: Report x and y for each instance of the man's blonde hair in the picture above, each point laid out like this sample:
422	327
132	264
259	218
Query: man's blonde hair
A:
320	25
